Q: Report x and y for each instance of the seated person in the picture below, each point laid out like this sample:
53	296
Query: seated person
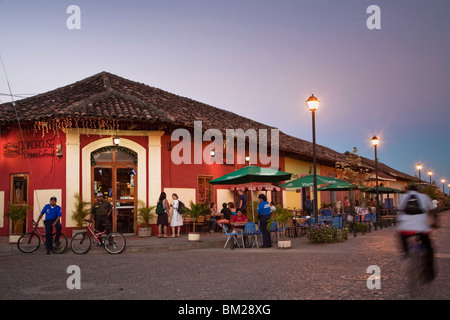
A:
226	214
238	221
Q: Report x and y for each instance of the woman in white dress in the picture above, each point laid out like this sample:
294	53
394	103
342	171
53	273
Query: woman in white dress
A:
177	218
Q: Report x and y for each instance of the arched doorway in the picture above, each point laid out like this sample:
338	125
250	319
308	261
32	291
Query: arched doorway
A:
114	173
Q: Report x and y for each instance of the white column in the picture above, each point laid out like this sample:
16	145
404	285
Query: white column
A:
154	166
72	155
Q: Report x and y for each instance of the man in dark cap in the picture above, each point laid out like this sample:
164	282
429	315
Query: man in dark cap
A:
101	212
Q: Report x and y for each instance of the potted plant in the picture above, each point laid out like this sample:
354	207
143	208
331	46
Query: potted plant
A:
81	210
144	216
195	211
16	214
281	216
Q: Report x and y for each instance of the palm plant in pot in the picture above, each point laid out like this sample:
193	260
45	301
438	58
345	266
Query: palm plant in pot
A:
16	214
144	216
281	216
195	211
81	210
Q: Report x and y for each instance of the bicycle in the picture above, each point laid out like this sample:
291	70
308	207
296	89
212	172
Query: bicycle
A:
29	242
113	242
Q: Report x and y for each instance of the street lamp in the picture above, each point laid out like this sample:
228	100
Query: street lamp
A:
375	142
313	104
443	188
430	173
419	166
116	140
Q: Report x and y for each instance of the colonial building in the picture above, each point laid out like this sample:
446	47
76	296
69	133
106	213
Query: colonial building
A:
61	143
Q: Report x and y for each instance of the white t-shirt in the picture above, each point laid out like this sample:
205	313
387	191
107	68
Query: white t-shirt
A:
435	203
416	222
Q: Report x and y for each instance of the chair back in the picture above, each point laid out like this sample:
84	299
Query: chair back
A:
367	217
274	226
187	218
226	230
312	221
374	217
200	219
301	221
208	217
250	228
337	222
326	212
290	223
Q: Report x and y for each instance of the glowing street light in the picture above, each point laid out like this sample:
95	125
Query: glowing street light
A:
313	105
375	142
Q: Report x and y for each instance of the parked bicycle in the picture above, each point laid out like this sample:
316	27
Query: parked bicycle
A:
31	241
113	242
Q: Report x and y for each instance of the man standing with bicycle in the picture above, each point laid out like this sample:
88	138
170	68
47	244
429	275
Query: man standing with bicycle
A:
101	212
52	220
414	212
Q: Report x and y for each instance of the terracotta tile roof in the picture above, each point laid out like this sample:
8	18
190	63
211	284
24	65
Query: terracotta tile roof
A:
108	96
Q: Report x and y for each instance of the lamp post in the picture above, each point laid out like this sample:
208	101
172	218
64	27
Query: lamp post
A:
430	173
313	104
419	166
375	142
443	188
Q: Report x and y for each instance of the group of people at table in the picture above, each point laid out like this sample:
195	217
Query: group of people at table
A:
237	219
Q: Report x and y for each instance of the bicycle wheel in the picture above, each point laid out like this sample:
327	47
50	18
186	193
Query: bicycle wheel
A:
80	243
115	243
60	246
415	267
29	242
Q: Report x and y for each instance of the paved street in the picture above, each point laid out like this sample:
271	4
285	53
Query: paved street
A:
335	271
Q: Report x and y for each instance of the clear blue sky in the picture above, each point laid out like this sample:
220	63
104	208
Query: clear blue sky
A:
261	59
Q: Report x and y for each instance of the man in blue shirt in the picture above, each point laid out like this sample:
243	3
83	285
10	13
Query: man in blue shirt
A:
264	216
52	219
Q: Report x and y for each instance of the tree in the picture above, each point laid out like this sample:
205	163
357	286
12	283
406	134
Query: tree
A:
353	170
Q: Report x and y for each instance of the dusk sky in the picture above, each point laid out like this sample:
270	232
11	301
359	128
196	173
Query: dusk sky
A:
262	60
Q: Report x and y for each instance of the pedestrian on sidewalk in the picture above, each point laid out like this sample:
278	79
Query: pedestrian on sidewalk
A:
264	216
163	218
52	220
177	219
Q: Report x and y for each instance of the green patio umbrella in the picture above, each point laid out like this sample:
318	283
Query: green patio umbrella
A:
252	174
308	181
339	186
382	189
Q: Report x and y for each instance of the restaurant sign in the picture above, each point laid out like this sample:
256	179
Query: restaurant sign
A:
32	148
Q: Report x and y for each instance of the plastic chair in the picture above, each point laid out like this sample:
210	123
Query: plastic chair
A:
233	236
251	232
374	217
274	231
368	219
321	219
337	222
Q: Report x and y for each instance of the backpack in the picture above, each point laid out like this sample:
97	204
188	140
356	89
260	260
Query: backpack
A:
412	206
159	208
181	207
